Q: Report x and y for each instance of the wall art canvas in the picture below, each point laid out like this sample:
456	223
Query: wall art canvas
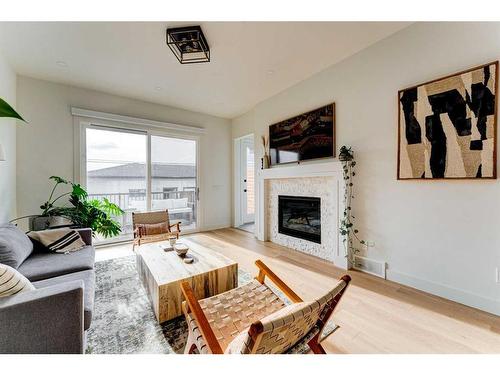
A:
447	127
308	136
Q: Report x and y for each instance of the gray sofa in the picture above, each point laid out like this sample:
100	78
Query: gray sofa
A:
54	317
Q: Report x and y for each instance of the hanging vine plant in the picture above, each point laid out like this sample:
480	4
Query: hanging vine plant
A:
347	228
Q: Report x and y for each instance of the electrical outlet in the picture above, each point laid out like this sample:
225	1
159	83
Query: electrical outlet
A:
497	275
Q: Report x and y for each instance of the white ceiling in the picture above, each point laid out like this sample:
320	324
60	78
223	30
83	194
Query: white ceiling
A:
251	61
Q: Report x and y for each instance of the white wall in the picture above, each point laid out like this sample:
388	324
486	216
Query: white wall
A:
8	141
439	236
46	147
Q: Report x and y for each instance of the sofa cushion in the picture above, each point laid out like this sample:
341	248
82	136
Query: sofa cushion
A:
61	240
153	229
41	266
15	246
88	278
13	282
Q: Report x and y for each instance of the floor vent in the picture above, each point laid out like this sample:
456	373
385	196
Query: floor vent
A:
371	266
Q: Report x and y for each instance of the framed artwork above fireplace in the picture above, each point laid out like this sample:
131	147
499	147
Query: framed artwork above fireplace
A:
310	135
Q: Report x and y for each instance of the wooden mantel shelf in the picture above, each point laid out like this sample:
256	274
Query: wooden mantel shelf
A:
323	169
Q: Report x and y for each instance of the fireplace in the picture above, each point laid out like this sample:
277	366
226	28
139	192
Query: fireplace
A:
300	217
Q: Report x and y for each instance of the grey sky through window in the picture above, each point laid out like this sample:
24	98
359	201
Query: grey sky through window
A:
109	148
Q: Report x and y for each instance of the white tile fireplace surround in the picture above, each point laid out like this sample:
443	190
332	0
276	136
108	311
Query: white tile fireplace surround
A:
321	180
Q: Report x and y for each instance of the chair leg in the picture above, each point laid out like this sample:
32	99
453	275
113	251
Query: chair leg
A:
316	346
190	345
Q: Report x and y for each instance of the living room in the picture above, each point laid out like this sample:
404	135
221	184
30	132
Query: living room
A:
219	192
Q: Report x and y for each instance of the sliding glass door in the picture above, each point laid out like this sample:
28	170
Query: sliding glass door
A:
174	178
139	172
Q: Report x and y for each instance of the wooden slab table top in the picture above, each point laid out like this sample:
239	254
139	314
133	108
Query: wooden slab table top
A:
162	272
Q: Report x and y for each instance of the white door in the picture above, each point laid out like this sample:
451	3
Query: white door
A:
245	194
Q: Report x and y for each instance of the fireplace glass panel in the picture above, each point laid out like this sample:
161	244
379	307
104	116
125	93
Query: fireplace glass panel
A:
300	217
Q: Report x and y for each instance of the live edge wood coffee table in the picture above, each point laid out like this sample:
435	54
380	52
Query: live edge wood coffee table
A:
162	273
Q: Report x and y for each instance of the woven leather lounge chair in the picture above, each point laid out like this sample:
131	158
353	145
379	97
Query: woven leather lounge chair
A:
253	319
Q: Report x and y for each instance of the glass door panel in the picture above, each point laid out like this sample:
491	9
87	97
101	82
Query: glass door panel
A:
116	170
249	214
174	179
247	183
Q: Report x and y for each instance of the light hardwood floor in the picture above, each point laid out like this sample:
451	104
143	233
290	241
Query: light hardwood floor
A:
375	315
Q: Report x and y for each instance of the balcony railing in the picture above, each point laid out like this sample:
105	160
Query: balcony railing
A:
180	204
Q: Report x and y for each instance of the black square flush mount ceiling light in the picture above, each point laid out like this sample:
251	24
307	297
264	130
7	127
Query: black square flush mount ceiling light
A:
188	44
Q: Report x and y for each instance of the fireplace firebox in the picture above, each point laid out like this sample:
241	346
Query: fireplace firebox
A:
300	217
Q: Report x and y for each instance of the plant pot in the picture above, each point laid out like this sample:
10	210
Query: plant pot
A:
345	157
46	222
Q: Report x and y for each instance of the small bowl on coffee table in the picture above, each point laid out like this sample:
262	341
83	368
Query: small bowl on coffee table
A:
181	249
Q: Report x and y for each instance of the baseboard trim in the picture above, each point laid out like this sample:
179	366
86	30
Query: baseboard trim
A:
207	228
466	298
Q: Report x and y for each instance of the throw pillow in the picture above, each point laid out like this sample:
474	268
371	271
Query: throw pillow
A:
153	229
12	282
15	246
63	240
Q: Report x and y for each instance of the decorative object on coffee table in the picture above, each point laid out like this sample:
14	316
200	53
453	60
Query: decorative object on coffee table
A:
252	319
172	239
181	249
153	227
161	272
447	127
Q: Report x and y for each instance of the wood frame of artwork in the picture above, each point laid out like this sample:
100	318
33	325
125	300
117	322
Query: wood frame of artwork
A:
494	172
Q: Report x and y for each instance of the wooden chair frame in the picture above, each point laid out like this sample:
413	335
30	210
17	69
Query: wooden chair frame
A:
192	305
140	239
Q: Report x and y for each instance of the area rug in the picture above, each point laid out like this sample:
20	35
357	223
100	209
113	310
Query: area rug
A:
124	321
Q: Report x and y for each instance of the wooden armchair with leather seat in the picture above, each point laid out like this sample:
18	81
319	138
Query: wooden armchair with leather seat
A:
253	319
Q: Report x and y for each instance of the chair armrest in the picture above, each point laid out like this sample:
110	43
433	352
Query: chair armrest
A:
205	329
137	232
46	320
86	234
178	225
265	271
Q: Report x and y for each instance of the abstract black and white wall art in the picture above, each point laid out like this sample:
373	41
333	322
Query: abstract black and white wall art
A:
447	127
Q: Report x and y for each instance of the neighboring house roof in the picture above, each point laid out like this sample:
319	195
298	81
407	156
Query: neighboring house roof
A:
138	170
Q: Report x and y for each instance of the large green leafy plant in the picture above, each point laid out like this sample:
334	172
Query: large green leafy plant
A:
84	212
7	111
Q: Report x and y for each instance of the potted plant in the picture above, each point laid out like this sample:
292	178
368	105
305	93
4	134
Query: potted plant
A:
347	229
81	213
346	153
